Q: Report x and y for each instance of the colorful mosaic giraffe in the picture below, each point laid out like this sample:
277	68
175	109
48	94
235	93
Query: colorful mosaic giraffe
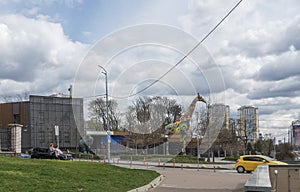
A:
182	126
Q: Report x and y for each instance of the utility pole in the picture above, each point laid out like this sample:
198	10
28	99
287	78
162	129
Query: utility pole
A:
274	147
107	121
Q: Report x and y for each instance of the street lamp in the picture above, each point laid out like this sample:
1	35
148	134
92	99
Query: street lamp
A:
107	122
167	145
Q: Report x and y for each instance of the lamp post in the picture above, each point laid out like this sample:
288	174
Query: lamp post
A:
198	137
107	122
167	145
274	147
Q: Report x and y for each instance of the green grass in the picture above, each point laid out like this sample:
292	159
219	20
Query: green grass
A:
187	159
18	174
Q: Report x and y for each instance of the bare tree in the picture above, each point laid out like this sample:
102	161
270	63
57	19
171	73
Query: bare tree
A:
146	118
24	96
97	114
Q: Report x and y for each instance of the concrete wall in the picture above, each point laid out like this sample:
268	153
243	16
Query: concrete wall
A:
16	131
287	178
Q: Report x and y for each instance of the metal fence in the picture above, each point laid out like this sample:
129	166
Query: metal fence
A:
5	139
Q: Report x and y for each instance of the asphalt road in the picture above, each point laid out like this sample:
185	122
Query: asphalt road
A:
191	180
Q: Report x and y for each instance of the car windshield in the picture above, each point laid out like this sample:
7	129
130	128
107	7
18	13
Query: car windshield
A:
269	158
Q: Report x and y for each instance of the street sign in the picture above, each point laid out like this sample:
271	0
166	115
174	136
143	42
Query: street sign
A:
56	127
108	137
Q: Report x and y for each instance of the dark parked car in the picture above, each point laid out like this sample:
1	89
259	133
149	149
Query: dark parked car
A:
41	153
44	153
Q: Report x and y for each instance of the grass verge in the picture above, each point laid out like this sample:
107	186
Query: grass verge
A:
17	174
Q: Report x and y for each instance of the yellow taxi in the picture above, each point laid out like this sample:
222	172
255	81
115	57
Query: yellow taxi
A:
249	163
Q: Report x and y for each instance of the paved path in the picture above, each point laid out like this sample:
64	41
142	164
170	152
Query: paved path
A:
189	180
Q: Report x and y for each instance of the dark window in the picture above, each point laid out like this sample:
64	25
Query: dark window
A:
249	159
259	159
253	159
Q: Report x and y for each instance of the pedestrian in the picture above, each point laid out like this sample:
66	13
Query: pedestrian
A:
51	149
56	150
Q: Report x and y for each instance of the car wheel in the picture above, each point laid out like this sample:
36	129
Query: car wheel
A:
240	169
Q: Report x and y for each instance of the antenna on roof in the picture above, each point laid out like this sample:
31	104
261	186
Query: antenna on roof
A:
70	90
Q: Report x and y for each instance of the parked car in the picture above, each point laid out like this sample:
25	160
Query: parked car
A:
41	153
64	156
25	155
249	163
44	153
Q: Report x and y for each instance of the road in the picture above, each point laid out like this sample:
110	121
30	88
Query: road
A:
190	180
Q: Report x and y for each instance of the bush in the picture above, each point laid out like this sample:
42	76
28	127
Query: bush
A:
87	156
187	159
231	158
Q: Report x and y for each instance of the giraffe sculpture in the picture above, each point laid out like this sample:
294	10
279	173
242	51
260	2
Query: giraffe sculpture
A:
182	126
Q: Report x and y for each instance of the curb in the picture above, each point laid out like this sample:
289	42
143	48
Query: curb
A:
154	183
200	167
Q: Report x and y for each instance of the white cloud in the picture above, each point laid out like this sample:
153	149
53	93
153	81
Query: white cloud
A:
257	49
37	54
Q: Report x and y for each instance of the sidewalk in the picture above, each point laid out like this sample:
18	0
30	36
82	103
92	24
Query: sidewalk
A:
224	165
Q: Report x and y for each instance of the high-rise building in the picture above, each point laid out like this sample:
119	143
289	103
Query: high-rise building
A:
226	116
248	123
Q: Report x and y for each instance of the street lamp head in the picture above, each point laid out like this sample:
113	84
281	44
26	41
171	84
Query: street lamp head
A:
104	70
200	98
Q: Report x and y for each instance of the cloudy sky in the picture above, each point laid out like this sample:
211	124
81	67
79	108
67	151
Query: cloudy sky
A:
46	45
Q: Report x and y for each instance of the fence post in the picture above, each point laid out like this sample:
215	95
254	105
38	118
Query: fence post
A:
130	161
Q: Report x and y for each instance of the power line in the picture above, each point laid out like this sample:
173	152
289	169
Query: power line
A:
184	57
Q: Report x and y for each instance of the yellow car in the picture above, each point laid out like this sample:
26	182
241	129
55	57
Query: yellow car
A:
249	163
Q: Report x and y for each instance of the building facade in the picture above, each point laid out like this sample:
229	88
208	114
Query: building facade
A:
13	113
248	123
63	112
296	135
39	116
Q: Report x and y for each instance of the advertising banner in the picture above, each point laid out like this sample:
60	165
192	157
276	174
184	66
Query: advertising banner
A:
297	136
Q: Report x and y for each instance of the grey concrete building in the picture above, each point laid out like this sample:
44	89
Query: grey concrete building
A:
46	112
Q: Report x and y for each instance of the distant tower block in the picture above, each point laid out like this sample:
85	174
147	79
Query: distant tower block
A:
16	132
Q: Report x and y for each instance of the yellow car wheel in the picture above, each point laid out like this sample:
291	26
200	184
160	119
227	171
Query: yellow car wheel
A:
240	169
